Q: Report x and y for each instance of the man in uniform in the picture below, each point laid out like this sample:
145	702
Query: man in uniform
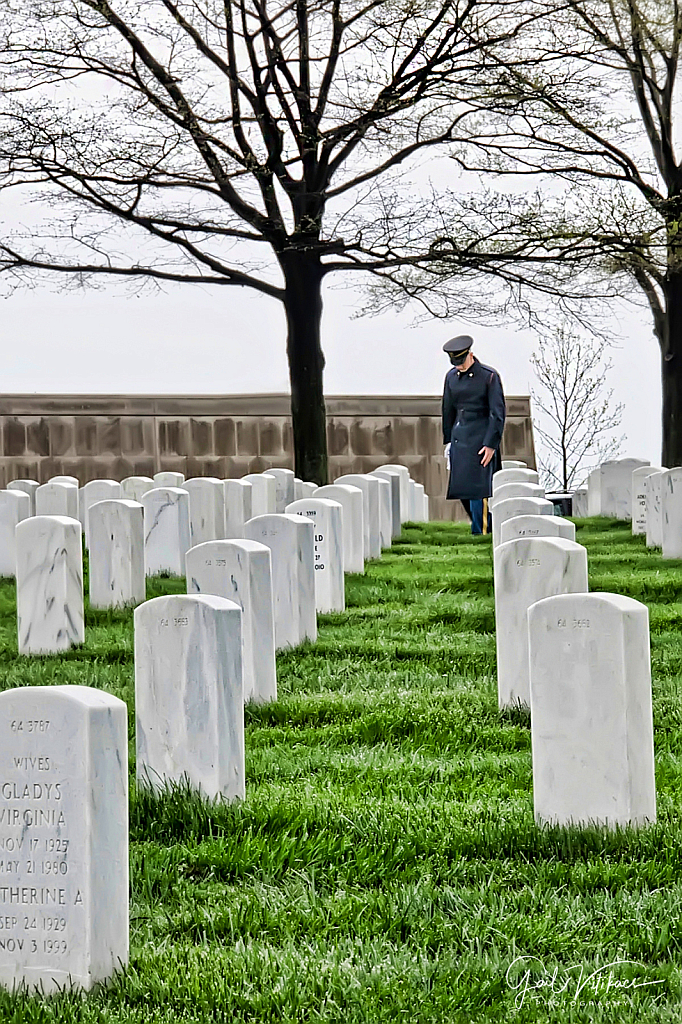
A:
473	421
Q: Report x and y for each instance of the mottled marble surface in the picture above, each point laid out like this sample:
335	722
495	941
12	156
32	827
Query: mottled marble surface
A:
263	494
351	499
591	719
638	514
169	479
166	530
189	694
516	490
14	507
616	487
57	498
116	571
514	476
369	486
579	503
385	512
63	836
49	584
29	487
327	518
238	503
394	518
304	489
421	514
291	542
404	474
92	492
671	513
518	507
426	508
285	487
654	520
206	509
527	570
537	526
241	571
134	487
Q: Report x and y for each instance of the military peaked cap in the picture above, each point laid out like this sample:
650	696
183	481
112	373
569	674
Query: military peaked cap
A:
458	346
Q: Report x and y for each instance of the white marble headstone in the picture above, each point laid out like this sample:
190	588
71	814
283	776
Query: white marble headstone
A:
28	487
390	518
516	490
133	487
64	480
327	519
291	542
206	509
639	497
671	513
166	530
514	476
518	507
304	489
537	526
654	519
351	499
594	492
426	508
263	493
285	490
385	512
591	719
513	464
14	507
237	507
116	567
241	571
616	487
527	570
169	479
94	491
404	474
49	584
418	495
369	486
57	498
579	508
63	837
189	694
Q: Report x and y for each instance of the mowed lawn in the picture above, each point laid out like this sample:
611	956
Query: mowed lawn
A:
385	865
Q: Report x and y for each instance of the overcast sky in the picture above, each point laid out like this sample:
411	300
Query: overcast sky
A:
196	340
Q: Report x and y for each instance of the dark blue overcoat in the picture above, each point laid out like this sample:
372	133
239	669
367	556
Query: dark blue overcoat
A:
473	418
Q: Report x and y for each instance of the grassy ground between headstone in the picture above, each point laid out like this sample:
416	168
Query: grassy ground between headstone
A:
385	865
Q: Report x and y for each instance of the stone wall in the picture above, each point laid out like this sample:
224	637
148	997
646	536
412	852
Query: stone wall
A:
90	436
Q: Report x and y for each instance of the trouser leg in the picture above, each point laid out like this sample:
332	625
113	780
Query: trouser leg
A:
476	514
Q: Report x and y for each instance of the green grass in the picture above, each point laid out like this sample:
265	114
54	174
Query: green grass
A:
385	865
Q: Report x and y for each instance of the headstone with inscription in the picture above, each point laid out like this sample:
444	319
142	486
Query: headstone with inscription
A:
15	506
514	476
241	571
134	487
263	493
166	530
189	694
63	837
518	507
94	491
671	513
616	487
285	488
351	499
654	520
57	498
28	487
526	570
639	476
591	720
169	479
327	519
116	568
206	509
49	584
237	507
537	526
369	486
291	542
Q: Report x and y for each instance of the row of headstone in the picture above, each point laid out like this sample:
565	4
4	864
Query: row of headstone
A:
517	493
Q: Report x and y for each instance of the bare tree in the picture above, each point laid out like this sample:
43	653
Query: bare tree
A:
239	143
579	418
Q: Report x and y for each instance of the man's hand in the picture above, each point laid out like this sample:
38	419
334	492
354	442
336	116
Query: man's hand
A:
487	454
446	453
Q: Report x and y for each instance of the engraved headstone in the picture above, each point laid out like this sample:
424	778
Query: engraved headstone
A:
237	507
263	494
638	515
94	491
241	571
285	491
654	519
518	507
616	487
327	519
49	584
537	526
29	487
63	837
166	530
291	542
390	517
591	719
516	490
671	513
116	568
14	507
351	499
169	478
206	509
189	694
57	498
514	476
133	487
369	486
527	570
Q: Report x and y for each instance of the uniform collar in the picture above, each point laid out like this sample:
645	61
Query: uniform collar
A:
465	373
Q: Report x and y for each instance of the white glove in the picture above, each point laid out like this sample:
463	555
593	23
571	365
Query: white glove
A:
446	454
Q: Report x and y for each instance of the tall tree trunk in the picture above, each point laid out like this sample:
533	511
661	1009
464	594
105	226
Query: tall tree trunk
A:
303	276
671	366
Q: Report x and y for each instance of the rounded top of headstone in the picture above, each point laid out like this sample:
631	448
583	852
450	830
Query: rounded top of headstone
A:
107	503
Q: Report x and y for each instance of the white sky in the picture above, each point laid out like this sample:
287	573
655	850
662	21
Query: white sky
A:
195	340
